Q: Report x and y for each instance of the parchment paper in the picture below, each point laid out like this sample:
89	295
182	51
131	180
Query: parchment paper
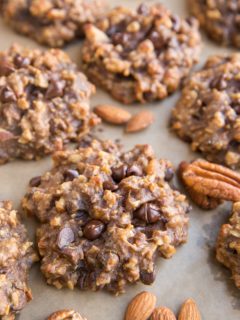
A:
192	272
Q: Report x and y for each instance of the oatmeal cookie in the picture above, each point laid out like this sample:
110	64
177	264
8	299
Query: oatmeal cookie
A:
51	22
106	215
228	244
43	103
16	257
208	112
140	55
219	18
66	315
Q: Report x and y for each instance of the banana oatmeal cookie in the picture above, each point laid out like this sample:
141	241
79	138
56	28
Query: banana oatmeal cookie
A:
140	55
43	103
16	258
66	315
219	18
51	22
228	244
106	216
208	112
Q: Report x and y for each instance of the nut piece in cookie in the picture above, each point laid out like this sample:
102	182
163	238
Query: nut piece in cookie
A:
51	22
228	244
106	216
66	315
219	18
140	55
207	114
16	258
44	103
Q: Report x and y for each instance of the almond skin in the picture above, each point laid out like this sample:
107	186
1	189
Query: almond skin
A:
189	311
139	121
163	313
141	307
111	114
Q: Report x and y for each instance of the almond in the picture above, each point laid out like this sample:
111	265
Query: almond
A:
111	114
141	307
163	313
140	121
189	311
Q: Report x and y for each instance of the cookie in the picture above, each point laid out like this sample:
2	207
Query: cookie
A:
51	22
44	103
106	215
16	257
220	19
65	315
228	244
207	114
142	55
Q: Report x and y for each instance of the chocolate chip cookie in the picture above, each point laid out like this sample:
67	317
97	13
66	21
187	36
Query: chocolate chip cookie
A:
219	18
208	112
16	257
51	22
228	244
43	103
140	55
106	215
66	315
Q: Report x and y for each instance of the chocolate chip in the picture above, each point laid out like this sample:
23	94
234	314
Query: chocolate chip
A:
35	182
119	173
143	9
157	40
109	185
55	89
147	213
65	237
70	174
134	170
7	95
147	277
82	217
93	229
20	61
169	173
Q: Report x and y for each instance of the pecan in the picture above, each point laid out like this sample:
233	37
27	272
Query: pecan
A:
209	184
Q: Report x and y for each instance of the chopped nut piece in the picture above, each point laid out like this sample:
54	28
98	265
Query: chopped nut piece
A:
66	315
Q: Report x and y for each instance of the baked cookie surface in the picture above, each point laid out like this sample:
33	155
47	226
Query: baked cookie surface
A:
106	216
140	55
65	315
43	103
16	258
207	114
219	18
51	22
228	244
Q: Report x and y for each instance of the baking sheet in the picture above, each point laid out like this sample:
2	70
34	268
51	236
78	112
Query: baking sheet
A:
192	272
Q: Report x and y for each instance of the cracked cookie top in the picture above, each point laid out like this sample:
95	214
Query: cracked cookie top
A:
207	114
16	257
140	55
228	244
220	19
51	22
106	215
44	103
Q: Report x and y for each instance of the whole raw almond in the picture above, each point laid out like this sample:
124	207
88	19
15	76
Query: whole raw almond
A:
189	311
141	307
139	121
163	313
111	114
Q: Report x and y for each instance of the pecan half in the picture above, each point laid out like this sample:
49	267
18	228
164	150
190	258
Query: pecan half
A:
66	315
209	184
